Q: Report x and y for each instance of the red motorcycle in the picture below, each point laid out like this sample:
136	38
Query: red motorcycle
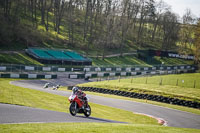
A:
79	106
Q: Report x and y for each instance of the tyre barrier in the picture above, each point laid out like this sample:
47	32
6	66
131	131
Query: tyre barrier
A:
28	76
150	97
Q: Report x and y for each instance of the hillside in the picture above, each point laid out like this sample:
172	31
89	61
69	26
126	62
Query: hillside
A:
23	59
87	28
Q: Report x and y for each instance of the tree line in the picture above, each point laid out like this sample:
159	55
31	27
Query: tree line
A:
107	24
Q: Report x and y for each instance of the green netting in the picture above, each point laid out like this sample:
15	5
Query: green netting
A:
59	54
75	55
41	53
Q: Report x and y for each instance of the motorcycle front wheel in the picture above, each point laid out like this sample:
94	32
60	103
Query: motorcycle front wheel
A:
87	111
73	108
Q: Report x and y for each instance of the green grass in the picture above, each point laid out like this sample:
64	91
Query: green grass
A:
171	61
17	58
22	96
133	60
91	128
112	61
22	58
182	108
169	85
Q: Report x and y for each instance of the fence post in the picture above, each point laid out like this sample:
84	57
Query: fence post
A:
160	81
119	79
194	83
132	80
146	79
177	82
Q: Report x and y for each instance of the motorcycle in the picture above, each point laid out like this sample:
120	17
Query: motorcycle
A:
79	106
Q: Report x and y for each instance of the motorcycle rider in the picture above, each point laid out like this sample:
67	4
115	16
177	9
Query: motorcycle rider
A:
81	95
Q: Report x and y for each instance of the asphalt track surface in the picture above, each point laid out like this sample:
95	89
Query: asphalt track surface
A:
21	114
174	118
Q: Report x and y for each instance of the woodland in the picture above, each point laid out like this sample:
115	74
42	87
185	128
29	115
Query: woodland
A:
98	26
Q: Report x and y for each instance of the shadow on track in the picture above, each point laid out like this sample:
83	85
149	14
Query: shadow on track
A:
100	120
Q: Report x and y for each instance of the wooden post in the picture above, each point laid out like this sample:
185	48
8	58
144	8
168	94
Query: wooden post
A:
132	80
161	81
119	79
194	83
146	79
177	82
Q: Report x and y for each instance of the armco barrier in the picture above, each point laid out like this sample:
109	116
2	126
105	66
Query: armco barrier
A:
22	68
28	76
157	98
112	74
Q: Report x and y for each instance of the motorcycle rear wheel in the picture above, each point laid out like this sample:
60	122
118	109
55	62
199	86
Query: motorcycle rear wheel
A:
87	111
72	109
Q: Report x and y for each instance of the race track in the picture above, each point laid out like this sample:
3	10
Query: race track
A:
173	117
20	114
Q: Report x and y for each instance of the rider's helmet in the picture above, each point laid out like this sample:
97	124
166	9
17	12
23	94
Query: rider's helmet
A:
74	89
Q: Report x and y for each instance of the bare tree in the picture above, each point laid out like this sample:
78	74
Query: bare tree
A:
187	30
91	23
43	6
70	19
7	7
124	21
170	28
107	11
48	8
197	43
160	8
102	24
98	26
146	9
59	6
87	12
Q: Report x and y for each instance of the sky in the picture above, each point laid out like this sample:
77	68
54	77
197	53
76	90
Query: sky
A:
179	6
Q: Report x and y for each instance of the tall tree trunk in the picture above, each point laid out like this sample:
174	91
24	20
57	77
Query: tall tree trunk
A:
140	28
86	20
43	11
154	29
35	10
7	8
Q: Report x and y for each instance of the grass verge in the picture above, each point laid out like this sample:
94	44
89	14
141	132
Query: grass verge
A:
176	86
22	96
91	127
22	58
133	60
18	58
186	109
112	61
166	90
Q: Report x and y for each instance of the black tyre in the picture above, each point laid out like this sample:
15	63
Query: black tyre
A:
87	111
72	108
